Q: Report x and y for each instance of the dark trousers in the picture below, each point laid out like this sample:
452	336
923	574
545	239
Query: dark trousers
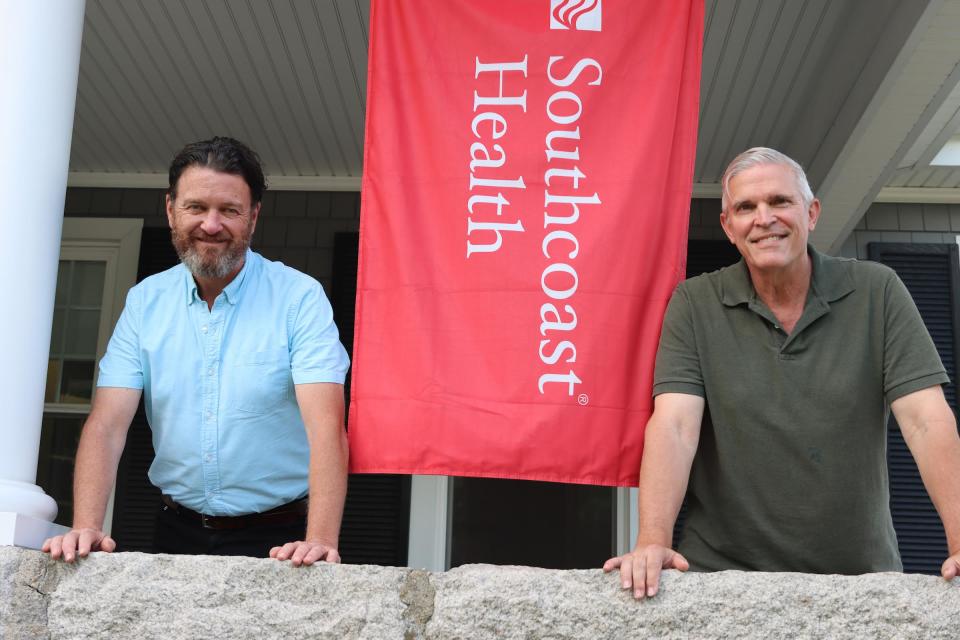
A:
174	534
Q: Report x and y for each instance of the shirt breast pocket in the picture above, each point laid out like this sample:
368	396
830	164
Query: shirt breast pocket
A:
261	381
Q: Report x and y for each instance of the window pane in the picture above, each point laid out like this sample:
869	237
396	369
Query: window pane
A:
541	524
56	335
87	287
58	448
77	384
81	338
63	282
53	379
76	325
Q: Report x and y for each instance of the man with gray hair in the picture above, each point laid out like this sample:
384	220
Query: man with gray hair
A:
798	357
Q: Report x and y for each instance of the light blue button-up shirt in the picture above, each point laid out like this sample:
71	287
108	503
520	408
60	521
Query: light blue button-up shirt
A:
218	383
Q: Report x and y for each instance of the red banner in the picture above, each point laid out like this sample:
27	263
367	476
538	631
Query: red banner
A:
526	195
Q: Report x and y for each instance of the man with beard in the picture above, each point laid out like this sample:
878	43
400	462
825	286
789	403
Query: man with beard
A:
242	374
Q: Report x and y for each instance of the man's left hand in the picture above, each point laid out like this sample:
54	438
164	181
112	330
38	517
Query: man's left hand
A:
305	552
951	567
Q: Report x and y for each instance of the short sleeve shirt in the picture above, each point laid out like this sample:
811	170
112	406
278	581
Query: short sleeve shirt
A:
219	383
790	473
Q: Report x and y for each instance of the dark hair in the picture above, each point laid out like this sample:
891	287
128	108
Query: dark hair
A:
220	154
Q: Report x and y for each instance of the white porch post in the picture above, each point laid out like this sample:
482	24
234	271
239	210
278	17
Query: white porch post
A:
39	64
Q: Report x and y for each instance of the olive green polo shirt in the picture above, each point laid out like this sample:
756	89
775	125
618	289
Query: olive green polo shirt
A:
791	473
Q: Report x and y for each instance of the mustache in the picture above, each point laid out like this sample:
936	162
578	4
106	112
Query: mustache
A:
210	238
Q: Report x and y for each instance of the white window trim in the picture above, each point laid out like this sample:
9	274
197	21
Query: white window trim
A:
626	521
429	534
115	241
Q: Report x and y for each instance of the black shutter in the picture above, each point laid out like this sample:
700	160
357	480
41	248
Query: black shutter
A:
376	516
703	256
156	252
136	500
930	272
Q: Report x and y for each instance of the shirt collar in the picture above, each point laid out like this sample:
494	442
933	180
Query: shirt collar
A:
831	280
233	291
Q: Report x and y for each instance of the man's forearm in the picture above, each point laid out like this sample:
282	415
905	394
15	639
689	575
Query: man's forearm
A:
101	443
322	408
328	486
95	471
664	472
930	431
938	459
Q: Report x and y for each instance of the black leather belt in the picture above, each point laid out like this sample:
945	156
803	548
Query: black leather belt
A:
289	513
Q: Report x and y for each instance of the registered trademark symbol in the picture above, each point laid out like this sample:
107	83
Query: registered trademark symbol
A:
583	398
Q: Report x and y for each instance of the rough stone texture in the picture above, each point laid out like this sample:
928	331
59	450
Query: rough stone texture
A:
418	595
135	595
519	602
26	580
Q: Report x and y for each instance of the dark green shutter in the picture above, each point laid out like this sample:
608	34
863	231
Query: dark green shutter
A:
136	500
930	272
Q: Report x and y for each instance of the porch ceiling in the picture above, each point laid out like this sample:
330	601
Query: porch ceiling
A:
289	76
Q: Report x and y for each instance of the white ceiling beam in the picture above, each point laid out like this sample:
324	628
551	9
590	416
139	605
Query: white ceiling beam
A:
114	180
938	131
910	95
919	195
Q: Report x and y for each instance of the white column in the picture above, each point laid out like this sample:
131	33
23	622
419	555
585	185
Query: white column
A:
39	65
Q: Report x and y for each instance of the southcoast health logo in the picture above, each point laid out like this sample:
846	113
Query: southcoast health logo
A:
581	15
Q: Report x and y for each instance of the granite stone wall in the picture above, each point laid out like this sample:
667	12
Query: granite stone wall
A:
133	595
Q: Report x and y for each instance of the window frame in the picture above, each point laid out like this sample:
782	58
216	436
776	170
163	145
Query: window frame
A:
115	241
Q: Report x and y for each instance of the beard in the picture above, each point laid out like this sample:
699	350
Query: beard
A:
212	262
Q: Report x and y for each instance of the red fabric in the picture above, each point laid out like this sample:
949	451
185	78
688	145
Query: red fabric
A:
459	369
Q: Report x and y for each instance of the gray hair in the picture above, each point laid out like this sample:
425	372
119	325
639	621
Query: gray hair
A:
760	156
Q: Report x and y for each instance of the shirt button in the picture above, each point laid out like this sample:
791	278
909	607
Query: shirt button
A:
209	415
208	458
203	328
210	371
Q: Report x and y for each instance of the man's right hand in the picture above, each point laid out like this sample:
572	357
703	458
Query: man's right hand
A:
640	569
78	543
101	444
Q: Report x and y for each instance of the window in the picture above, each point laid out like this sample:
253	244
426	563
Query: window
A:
75	335
98	262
